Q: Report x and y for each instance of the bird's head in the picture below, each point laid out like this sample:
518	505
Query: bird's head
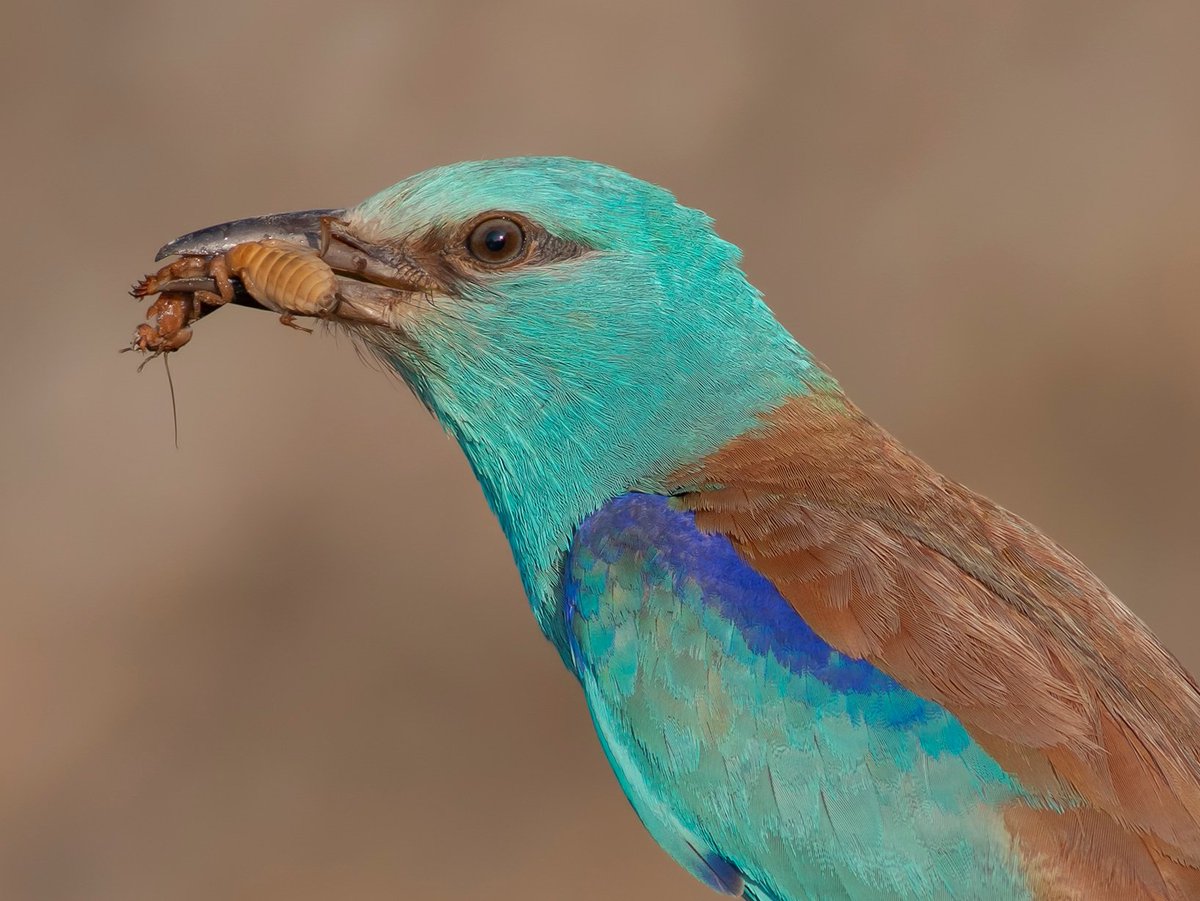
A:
577	330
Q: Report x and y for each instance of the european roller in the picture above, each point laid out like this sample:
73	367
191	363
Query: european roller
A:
818	668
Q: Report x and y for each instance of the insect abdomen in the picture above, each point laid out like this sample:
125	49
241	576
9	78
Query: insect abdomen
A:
284	277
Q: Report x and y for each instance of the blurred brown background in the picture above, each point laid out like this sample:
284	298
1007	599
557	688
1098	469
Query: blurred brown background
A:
292	660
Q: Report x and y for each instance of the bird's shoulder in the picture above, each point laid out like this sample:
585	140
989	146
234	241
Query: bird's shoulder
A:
733	725
966	604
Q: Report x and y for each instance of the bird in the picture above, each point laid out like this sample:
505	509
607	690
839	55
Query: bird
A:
818	668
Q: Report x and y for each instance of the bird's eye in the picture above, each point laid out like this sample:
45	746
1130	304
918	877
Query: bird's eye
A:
496	241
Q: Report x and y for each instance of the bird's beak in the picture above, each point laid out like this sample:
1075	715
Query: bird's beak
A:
302	227
372	277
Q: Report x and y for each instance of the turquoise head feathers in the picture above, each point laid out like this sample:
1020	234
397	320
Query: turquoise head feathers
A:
625	344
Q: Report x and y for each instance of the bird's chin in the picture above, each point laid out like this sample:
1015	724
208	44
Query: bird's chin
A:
363	303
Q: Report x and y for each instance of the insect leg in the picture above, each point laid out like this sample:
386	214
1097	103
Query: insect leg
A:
290	321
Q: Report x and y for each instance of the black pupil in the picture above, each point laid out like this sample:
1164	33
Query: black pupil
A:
496	239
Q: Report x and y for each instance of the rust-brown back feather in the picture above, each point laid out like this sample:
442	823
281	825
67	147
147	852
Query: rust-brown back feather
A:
968	605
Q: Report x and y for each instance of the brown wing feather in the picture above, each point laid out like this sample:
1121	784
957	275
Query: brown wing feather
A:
970	606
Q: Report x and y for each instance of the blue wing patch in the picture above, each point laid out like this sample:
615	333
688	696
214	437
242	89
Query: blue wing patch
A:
750	747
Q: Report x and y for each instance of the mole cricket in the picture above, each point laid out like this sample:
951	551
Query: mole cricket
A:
301	264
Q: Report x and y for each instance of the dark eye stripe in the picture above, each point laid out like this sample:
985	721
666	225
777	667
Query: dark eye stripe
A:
451	258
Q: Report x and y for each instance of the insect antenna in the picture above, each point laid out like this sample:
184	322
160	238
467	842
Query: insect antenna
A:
171	386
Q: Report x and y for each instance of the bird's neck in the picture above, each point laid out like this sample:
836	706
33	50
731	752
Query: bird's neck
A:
556	462
559	414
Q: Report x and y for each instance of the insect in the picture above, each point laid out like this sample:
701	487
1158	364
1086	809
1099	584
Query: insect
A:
298	264
288	278
315	271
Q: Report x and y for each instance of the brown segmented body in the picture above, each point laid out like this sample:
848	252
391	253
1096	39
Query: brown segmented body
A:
284	277
290	279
